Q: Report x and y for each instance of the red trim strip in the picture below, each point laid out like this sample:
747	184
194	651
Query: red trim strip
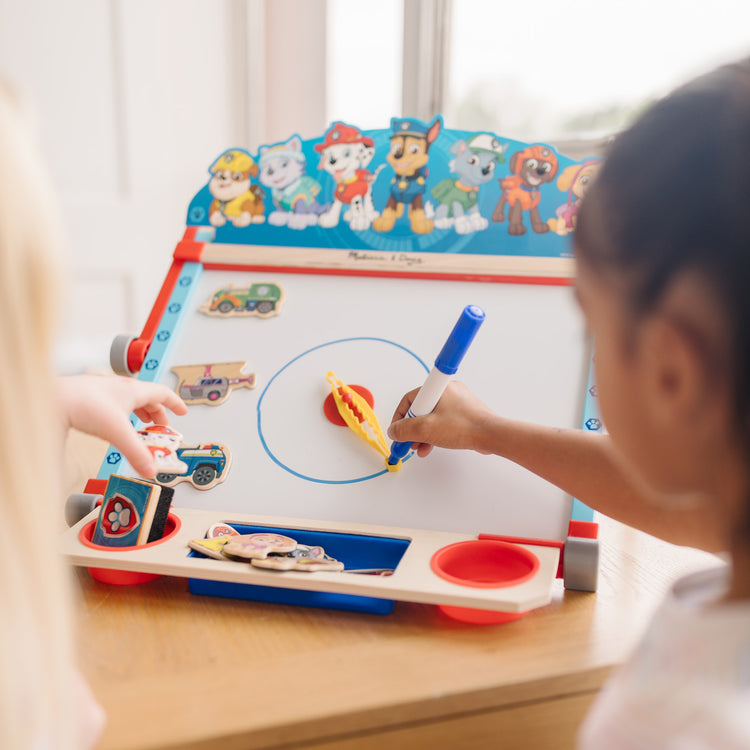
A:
539	280
583	529
95	486
188	250
538	542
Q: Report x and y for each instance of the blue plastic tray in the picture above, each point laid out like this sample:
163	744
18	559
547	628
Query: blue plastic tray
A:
356	551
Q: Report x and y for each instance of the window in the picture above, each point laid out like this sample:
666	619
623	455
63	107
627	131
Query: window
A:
364	52
580	69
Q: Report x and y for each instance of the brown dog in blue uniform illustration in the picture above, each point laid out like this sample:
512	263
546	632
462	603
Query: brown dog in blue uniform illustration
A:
410	144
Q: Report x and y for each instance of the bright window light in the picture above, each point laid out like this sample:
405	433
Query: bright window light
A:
364	52
580	68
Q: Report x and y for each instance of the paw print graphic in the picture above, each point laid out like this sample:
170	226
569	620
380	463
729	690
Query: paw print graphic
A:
118	517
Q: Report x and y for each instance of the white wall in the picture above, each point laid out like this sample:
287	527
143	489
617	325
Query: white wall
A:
134	99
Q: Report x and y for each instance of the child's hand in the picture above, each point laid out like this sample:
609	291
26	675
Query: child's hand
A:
101	405
460	420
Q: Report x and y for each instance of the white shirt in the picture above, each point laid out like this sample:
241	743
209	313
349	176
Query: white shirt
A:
91	718
687	687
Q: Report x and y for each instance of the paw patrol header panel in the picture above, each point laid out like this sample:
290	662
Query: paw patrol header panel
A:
414	187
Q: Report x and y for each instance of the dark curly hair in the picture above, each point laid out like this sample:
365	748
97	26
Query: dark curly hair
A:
672	196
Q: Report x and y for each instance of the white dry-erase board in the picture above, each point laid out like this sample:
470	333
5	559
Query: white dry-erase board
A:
528	361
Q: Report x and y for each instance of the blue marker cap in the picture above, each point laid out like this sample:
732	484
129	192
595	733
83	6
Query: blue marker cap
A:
458	342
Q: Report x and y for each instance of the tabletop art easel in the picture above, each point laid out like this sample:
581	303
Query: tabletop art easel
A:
303	224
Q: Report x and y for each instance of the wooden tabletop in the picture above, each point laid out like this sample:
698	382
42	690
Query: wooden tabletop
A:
174	670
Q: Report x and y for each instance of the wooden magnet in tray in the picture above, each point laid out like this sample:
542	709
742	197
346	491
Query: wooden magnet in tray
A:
259	546
302	558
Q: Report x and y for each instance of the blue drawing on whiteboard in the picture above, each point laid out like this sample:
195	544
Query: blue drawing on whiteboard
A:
262	402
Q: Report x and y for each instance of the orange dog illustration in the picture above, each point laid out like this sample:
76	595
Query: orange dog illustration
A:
530	168
410	143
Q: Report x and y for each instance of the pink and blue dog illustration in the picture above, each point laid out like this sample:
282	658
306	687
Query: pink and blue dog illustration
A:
294	192
574	179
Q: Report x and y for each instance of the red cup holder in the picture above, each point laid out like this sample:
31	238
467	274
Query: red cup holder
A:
484	563
479	616
125	577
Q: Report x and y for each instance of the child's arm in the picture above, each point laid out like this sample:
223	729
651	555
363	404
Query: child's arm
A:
101	405
585	465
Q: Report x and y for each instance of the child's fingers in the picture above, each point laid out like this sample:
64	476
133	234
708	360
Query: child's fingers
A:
174	403
159	396
422	449
396	432
155	408
155	414
404	405
126	439
143	464
410	429
394	429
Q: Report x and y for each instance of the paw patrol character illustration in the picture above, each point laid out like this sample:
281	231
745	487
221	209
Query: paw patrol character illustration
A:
474	164
294	193
235	199
410	143
344	154
576	180
530	168
163	443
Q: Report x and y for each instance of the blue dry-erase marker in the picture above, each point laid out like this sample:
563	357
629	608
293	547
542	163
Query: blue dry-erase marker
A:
446	364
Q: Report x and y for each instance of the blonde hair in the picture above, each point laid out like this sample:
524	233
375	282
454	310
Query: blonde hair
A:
36	693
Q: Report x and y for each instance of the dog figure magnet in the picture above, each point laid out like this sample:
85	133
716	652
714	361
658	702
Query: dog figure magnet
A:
259	546
474	165
409	154
163	443
211	547
221	529
304	558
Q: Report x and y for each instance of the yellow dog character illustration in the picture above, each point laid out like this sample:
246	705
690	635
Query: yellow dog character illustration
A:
234	198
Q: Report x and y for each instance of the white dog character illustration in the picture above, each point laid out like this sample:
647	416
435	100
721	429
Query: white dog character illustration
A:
344	154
